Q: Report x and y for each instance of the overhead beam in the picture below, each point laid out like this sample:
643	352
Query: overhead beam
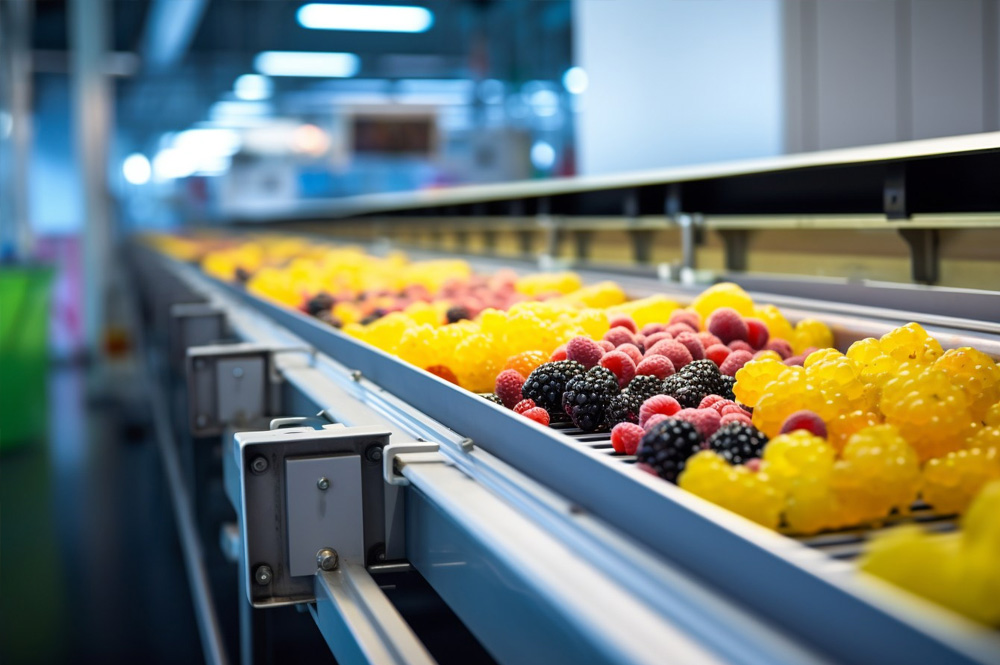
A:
170	27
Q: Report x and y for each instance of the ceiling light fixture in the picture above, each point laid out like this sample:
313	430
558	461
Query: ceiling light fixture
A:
303	63
365	18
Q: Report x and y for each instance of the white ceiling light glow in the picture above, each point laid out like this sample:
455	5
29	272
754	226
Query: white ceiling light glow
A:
365	18
575	80
303	63
252	87
136	169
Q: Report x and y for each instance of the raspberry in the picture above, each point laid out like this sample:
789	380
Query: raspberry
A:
977	374
706	420
558	354
538	414
740	345
508	387
932	413
621	365
783	348
693	344
717	353
840	429
667	447
587	397
640	342
707	339
585	351
605	345
651	328
767	353
662	404
625	438
656	337
738	442
710	400
727	324
491	397
736	488
618	336
547	383
687	316
632	351
524	405
950	483
444	372
757	334
675	351
735	362
658	366
693	381
676	329
806	420
623	321
654	420
877	473
736	418
732	408
525	362
793	361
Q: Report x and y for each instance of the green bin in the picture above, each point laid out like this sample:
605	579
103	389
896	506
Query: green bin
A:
24	354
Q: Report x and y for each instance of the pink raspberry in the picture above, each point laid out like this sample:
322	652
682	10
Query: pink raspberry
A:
653	421
605	345
708	400
757	333
754	464
658	366
736	418
735	362
663	404
676	329
707	339
717	353
677	352
806	420
656	337
619	335
632	351
558	354
625	437
740	345
727	324
651	328
693	344
508	387
706	420
621	365
732	408
623	320
779	346
795	360
524	405
688	316
721	404
538	414
585	351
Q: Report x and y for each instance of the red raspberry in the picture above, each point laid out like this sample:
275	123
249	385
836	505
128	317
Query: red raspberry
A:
736	418
524	405
653	421
677	352
717	353
444	372
538	414
508	387
585	351
709	400
693	344
656	337
658	366
632	351
688	316
605	345
663	404
676	329
707	339
753	464
795	360
780	346
619	335
727	324
558	354
806	420
651	328
732	408
735	362
740	345
721	404
706	420
621	365
625	437
757	333
623	320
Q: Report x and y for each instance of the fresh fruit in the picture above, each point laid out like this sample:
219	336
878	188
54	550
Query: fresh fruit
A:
666	448
587	397
693	382
757	334
737	443
508	387
673	350
538	414
706	420
734	362
658	404
524	405
625	438
584	351
727	324
656	365
621	365
547	384
740	489
806	420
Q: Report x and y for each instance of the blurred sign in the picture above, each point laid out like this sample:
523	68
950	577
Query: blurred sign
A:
395	135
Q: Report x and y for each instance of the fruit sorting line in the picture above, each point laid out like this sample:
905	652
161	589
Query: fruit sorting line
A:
783	583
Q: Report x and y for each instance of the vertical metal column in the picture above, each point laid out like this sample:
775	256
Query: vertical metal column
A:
89	28
16	32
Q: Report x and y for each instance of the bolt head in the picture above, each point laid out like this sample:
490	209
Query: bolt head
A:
263	575
327	559
259	465
374	454
323	484
237	372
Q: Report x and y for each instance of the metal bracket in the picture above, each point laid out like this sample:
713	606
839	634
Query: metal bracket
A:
582	239
924	256
231	385
309	500
389	454
737	245
194	324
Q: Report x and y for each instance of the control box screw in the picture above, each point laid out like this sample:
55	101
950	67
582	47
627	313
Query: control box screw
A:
327	559
259	465
323	484
374	454
263	575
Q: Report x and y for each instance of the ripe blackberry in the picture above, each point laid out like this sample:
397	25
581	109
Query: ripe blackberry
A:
587	397
695	380
727	383
623	408
491	397
645	386
738	443
321	302
327	317
457	313
666	448
547	383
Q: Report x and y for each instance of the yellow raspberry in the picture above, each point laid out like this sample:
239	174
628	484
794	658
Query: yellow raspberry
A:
977	375
735	488
753	379
776	323
910	343
840	429
526	361
725	294
931	413
992	417
878	472
951	482
810	332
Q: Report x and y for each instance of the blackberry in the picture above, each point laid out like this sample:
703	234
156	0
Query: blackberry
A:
695	380
738	443
491	397
371	318
587	397
327	317
321	302
727	387
667	447
547	383
645	386
457	313
623	408
243	275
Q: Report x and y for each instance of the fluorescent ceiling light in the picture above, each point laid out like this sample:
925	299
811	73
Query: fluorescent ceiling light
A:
252	87
575	80
136	169
302	63
366	18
